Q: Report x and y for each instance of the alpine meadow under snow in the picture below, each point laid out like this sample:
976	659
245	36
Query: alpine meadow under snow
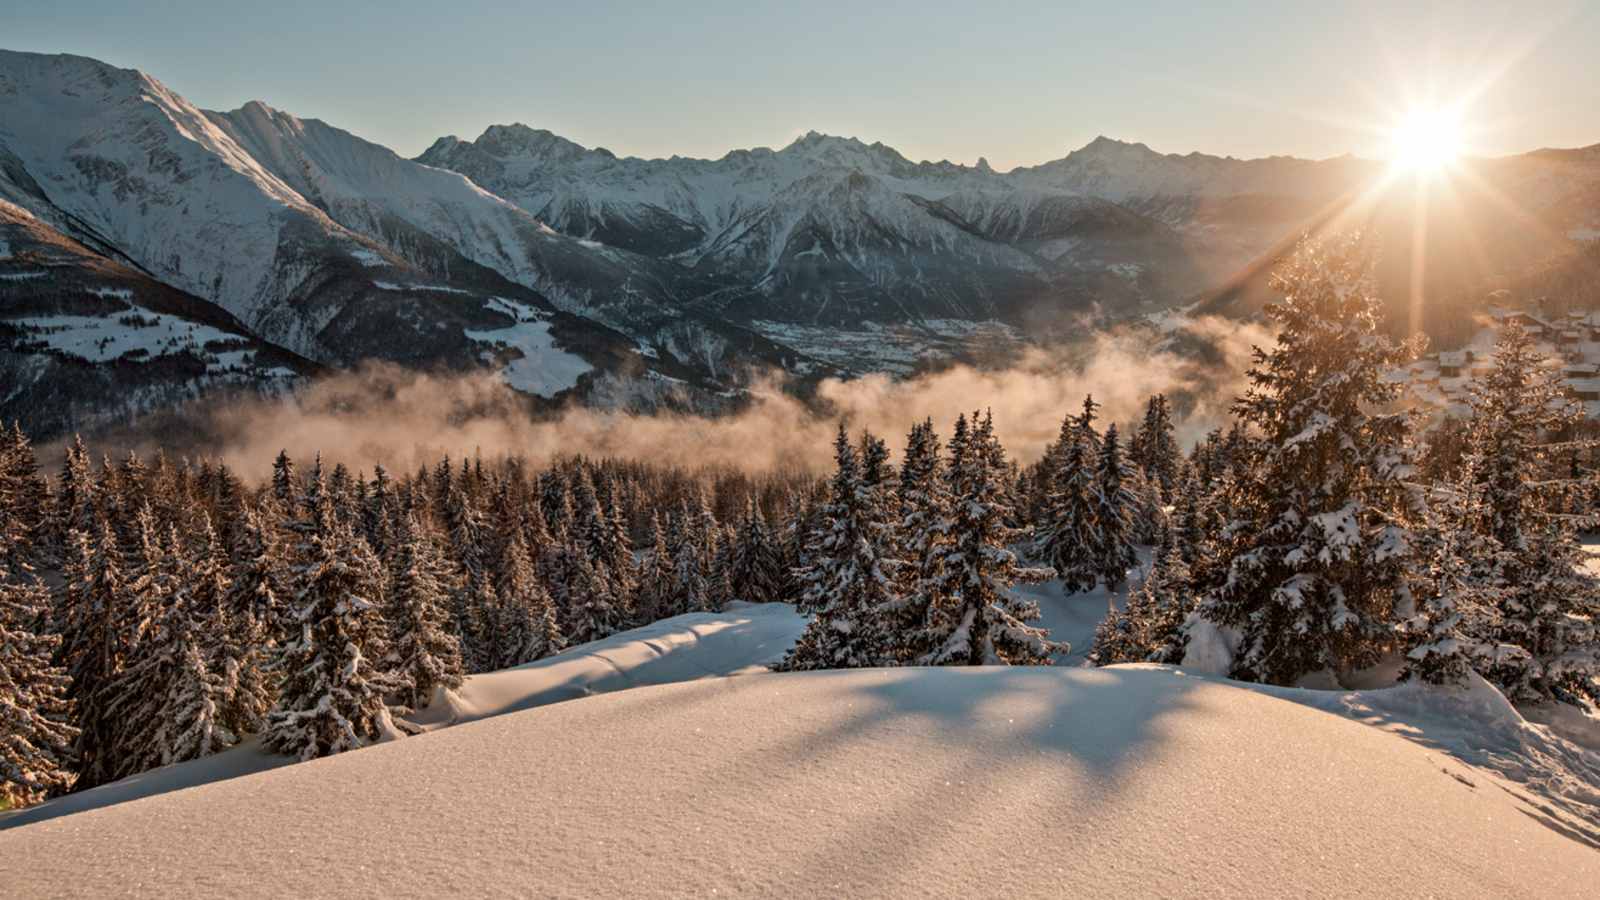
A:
664	527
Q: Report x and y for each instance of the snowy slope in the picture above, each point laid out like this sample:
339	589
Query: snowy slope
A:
315	240
374	192
744	638
86	340
986	782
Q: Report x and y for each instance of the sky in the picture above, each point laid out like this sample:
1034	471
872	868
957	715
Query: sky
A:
1017	83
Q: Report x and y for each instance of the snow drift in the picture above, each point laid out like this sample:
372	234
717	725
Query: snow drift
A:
990	782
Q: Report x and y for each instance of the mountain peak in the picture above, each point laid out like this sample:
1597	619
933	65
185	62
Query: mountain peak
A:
519	140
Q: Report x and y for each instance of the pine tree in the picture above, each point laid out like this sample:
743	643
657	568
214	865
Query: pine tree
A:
984	624
1116	638
168	701
1161	607
595	610
36	734
924	525
74	501
24	499
1069	539
254	617
522	633
332	696
423	653
472	598
1446	613
657	577
850	580
1158	457
690	589
1112	506
92	647
1321	535
757	566
284	488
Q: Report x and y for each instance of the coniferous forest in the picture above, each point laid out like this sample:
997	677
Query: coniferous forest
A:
156	610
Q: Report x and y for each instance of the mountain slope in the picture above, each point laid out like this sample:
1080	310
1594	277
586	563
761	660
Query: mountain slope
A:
968	782
382	262
86	340
835	231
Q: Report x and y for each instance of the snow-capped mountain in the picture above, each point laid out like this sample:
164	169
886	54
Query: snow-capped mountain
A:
802	258
335	248
86	340
834	230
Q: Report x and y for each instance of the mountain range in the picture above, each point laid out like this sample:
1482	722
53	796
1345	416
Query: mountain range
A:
289	247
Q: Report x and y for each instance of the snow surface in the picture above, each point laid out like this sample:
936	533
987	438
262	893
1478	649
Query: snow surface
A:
99	339
1131	781
543	368
745	638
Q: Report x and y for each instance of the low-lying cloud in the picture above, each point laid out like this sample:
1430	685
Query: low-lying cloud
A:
385	414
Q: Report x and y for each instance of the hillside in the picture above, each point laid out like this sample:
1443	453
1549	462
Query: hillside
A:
1033	782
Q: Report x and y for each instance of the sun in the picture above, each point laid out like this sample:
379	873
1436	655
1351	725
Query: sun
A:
1427	141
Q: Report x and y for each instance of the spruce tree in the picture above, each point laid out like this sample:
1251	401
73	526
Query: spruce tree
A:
657	577
757	567
1158	457
1321	533
92	648
423	653
1161	607
1068	540
332	696
254	617
984	623
1116	638
850	580
36	734
595	611
1111	509
924	527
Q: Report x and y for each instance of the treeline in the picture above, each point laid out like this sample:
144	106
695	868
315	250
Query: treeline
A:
156	612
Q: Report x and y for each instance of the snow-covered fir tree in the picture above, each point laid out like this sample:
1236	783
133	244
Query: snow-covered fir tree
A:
982	623
1068	538
924	523
253	612
1523	609
757	564
525	619
332	694
1322	510
1112	509
657	575
850	579
594	610
423	652
1116	638
1154	449
36	733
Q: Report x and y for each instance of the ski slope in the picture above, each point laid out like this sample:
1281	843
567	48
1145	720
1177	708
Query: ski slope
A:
1131	781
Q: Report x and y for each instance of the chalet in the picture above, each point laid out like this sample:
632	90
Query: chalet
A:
1451	362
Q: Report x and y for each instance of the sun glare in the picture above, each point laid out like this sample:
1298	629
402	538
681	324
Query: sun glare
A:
1427	141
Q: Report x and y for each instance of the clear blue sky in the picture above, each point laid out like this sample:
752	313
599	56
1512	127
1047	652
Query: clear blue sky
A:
1018	82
